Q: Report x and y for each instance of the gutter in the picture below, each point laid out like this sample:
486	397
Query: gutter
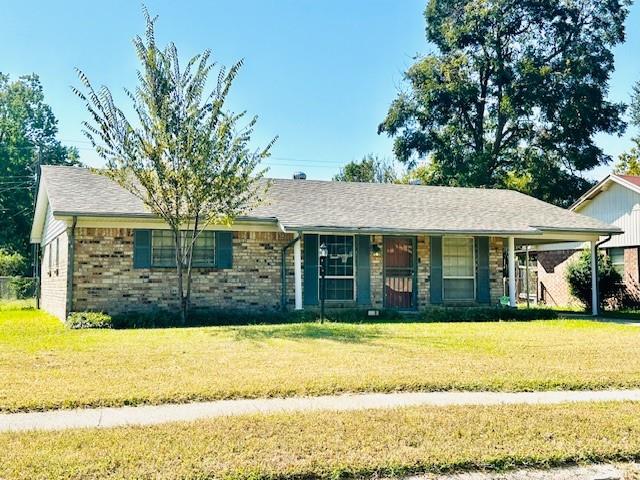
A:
70	264
283	272
150	216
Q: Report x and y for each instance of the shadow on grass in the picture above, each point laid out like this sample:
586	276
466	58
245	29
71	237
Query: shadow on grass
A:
337	332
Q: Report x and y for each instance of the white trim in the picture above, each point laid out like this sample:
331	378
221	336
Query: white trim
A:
511	261
460	277
297	271
594	278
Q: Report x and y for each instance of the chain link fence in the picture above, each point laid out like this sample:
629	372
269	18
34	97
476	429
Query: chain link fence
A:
17	288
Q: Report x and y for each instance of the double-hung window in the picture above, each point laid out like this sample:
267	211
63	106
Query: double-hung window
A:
340	271
458	269
163	248
617	260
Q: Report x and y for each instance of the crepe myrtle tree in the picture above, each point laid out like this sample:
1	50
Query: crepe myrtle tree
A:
184	155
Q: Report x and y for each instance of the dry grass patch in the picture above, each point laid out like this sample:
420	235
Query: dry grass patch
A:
43	365
331	445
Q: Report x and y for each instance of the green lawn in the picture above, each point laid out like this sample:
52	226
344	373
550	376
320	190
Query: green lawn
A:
43	365
333	445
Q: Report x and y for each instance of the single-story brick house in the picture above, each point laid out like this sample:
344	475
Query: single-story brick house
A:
390	246
614	200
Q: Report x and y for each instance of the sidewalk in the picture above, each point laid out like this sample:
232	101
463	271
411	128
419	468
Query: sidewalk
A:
154	414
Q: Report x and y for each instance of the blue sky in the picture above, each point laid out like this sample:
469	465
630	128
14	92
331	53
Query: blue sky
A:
319	74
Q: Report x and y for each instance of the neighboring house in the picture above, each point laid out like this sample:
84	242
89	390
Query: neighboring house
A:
390	246
614	200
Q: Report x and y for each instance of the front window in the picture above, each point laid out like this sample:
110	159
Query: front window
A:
340	278
617	260
458	269
163	248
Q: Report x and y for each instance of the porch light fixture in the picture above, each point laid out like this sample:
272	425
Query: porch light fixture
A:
324	254
376	251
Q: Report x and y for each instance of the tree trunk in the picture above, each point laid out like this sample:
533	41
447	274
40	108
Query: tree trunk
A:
194	234
179	269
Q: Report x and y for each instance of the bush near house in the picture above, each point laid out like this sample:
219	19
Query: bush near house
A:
486	314
77	320
210	317
578	277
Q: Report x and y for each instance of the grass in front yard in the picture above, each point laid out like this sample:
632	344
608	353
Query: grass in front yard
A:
334	445
43	365
25	304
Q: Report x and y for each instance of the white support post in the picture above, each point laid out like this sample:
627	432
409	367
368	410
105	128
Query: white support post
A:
511	256
594	278
297	272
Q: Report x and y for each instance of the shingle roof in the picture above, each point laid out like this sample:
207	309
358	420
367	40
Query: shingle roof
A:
631	179
322	205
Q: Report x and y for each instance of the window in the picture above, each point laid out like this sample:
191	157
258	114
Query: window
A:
163	248
617	260
340	273
458	269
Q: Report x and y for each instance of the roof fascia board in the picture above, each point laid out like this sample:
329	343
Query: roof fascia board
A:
393	231
157	223
535	236
39	214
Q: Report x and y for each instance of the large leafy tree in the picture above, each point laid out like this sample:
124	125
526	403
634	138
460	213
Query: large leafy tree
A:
629	162
182	153
371	169
28	131
513	94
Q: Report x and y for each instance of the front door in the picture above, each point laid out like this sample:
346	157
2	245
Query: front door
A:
399	272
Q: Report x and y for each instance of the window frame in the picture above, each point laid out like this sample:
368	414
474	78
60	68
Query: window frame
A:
352	277
184	233
473	277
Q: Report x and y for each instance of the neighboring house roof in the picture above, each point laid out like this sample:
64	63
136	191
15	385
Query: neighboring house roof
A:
313	205
631	179
631	182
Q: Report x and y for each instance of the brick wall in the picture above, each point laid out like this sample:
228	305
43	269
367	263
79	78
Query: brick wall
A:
377	274
496	267
53	281
104	277
553	289
424	293
631	277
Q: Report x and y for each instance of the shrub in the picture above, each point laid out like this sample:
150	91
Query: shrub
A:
578	277
21	287
485	314
11	263
78	320
217	317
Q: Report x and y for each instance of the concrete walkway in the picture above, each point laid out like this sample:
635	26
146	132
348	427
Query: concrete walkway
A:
154	414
